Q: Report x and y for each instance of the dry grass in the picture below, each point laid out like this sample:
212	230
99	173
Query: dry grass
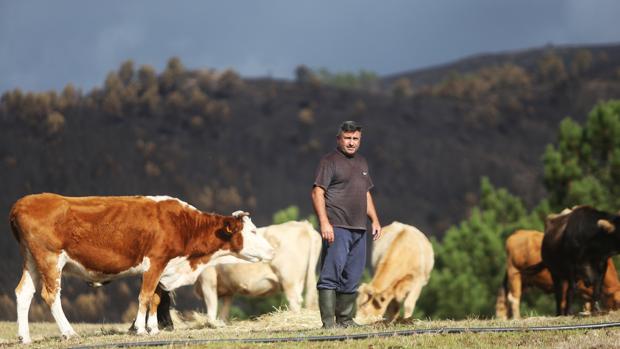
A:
283	323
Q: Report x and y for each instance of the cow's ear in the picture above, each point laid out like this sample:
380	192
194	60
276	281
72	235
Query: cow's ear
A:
364	294
230	227
606	225
226	232
362	299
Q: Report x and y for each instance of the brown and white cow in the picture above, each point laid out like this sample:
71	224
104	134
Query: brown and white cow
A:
403	260
523	251
103	238
297	246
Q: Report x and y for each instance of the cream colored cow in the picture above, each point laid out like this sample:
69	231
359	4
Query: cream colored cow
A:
297	247
403	260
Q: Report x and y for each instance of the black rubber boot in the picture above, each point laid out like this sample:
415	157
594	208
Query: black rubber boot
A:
327	307
345	309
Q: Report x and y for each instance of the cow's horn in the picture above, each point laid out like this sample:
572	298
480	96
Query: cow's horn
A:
239	214
606	225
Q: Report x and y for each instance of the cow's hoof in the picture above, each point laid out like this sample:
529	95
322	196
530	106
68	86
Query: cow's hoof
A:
215	323
405	321
25	340
347	324
167	328
153	331
141	332
69	335
600	312
133	329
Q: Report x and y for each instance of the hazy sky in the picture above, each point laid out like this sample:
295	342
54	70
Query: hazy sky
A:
47	44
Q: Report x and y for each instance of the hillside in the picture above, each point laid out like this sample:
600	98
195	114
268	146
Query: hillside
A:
224	143
529	59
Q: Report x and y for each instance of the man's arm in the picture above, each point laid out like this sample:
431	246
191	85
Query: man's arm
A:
374	219
318	201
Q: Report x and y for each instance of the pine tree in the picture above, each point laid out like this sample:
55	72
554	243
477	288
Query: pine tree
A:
470	261
584	167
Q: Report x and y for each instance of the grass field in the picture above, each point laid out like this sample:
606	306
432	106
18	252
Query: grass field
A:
307	323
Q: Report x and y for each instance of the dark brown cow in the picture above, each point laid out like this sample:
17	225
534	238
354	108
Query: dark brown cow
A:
522	251
576	246
103	238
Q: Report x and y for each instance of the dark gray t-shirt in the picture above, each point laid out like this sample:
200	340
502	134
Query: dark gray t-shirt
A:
346	181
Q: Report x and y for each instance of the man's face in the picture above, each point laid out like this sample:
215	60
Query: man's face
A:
349	142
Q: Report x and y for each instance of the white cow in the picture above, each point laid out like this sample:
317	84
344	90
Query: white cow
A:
403	260
297	246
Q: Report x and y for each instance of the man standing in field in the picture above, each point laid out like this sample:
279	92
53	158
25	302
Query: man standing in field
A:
342	202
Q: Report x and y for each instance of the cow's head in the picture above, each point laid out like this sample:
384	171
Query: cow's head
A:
372	303
244	242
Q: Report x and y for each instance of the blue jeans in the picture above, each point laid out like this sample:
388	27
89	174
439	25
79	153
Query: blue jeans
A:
342	262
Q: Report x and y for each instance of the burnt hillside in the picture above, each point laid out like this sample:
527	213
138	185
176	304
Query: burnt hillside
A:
223	143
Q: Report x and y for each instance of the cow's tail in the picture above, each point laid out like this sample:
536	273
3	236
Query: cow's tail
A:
14	225
534	269
314	251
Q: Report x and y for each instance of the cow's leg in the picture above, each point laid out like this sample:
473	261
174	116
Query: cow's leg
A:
206	287
152	325
150	279
412	298
564	291
311	296
50	267
211	304
570	291
23	293
515	287
225	308
501	303
392	310
163	310
598	286
293	292
559	292
570	294
501	306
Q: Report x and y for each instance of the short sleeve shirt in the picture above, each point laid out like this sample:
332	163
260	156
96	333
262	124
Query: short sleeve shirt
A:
346	181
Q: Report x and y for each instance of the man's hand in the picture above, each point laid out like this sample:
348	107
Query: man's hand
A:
376	231
327	232
318	202
372	214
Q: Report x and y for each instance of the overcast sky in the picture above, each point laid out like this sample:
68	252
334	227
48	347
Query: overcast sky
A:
47	44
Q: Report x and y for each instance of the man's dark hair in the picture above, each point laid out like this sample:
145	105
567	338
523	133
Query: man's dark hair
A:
349	126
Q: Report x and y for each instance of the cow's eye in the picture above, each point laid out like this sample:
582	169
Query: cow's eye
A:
376	304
